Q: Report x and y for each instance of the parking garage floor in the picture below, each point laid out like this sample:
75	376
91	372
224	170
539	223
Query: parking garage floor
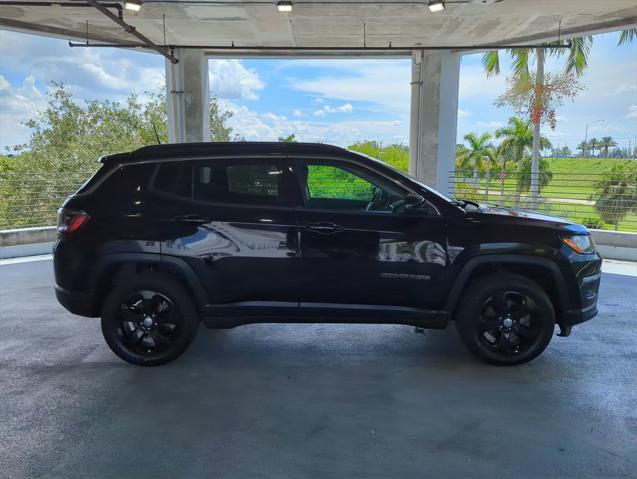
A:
317	401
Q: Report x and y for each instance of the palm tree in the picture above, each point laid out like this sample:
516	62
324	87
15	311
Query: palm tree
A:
517	137
582	146
616	195
627	36
478	148
577	61
606	143
593	144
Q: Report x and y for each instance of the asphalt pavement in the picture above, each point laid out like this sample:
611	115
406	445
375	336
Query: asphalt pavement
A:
316	401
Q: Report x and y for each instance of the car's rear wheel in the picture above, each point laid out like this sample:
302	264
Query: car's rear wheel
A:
149	319
505	319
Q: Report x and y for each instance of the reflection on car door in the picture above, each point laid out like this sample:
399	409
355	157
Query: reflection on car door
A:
232	217
355	250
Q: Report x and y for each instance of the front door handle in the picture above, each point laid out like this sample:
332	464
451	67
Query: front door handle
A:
192	219
324	228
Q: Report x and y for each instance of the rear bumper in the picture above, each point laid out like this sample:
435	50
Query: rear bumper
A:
77	302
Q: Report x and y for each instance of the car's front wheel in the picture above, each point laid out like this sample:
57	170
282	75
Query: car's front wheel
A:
149	319
505	319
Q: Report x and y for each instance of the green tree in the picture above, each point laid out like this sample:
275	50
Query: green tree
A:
517	138
478	148
288	139
576	63
627	36
524	174
593	144
219	130
616	194
583	146
607	142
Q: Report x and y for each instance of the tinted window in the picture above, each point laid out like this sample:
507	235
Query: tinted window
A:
127	180
175	178
250	182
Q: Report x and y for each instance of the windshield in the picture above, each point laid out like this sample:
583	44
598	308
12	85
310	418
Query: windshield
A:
415	180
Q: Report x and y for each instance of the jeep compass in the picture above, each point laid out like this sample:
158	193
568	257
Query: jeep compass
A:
168	236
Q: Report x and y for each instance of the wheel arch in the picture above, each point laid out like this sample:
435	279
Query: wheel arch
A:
541	270
112	268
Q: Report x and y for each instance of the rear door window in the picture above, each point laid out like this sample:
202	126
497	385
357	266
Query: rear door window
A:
242	181
175	177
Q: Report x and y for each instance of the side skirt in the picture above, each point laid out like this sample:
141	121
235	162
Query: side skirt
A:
249	312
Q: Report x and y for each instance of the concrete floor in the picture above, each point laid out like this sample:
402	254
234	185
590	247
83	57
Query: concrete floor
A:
322	401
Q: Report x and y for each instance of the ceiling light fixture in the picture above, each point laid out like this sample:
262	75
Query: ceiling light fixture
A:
133	5
284	6
436	6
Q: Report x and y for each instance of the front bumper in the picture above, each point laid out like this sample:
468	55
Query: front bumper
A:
76	302
589	287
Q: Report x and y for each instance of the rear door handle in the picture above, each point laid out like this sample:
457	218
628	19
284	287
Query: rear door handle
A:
192	219
324	228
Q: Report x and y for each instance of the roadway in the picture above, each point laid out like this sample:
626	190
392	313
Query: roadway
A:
316	401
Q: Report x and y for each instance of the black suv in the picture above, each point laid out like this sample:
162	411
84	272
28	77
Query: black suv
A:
166	236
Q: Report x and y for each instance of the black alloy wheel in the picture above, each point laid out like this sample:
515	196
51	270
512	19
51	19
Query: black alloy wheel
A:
505	319
508	323
149	319
149	322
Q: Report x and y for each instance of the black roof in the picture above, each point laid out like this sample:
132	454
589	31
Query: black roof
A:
189	150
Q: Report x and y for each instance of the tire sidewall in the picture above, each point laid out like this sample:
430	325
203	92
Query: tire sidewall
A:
471	306
166	285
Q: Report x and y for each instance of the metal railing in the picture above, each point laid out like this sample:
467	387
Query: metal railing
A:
30	200
598	201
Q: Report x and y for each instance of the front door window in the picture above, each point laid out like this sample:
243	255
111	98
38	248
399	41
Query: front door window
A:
347	188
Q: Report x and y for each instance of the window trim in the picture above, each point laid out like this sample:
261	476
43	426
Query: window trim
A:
293	202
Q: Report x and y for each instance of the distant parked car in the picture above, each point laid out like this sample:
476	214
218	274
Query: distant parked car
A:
166	236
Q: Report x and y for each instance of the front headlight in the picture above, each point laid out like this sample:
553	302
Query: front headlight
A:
581	244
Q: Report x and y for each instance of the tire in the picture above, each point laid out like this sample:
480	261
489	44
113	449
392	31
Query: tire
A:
505	319
127	329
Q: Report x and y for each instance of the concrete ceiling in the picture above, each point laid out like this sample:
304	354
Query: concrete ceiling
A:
319	24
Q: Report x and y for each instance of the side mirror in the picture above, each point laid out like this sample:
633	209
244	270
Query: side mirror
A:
413	201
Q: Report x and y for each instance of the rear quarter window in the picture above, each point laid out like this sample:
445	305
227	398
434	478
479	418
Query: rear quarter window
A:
126	181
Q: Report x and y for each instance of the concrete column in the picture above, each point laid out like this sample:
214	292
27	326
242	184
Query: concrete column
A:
434	118
187	96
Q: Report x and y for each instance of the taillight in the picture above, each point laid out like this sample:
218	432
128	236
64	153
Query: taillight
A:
69	221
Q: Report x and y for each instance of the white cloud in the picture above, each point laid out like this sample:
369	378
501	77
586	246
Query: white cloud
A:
251	125
19	104
632	111
358	80
297	112
621	88
230	79
344	108
463	113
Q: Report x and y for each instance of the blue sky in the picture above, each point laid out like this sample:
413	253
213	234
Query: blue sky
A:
334	101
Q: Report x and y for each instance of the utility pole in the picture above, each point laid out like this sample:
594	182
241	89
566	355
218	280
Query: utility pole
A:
585	142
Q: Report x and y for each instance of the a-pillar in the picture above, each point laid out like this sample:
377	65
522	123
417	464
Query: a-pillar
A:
434	118
187	97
